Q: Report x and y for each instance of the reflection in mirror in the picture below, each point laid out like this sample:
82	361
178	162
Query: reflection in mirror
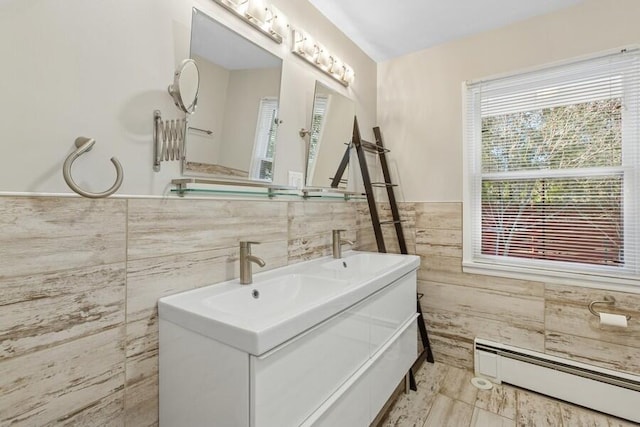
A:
330	135
234	133
184	89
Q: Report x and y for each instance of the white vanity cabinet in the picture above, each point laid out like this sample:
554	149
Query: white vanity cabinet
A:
339	372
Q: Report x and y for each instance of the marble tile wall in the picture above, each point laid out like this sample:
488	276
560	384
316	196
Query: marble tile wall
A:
572	331
534	315
366	237
62	311
310	224
79	281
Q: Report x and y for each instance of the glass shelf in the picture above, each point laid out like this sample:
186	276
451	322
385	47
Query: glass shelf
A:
240	193
259	189
331	193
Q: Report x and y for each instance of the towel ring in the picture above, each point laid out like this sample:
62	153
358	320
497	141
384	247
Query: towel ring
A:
83	145
606	300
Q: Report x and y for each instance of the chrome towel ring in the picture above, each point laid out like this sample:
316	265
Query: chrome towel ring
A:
83	145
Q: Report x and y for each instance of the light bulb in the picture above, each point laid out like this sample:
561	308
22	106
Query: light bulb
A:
298	41
323	59
309	47
279	23
257	10
337	67
349	75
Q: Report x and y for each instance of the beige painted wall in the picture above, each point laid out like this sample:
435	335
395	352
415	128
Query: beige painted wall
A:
246	89
420	114
100	69
212	100
420	96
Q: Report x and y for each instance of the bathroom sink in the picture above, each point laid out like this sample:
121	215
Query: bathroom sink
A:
275	296
283	302
363	264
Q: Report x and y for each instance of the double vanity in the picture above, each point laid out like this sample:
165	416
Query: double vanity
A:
318	343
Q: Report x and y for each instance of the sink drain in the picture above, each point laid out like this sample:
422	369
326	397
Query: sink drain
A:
255	293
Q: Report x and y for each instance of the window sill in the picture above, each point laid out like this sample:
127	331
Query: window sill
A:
609	283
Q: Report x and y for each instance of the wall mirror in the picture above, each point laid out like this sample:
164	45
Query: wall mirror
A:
233	134
329	136
184	89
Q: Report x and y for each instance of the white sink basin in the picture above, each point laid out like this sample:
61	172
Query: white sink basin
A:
283	302
362	264
273	297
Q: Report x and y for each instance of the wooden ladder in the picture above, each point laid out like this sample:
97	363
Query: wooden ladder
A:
361	146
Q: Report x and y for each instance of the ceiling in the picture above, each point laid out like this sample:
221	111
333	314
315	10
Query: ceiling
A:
385	29
226	48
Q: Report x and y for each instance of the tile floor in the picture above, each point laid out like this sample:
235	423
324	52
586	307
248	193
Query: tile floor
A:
445	397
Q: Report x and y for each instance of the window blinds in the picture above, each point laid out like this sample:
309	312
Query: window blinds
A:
264	145
552	168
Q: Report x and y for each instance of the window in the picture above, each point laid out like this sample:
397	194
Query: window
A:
265	140
320	108
552	172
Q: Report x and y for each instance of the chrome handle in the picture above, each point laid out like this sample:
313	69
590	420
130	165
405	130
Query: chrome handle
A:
83	145
336	234
245	247
337	243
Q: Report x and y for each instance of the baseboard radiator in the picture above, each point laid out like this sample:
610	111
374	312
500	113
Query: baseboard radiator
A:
603	390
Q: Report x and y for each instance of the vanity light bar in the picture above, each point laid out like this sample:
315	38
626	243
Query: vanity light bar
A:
304	46
266	18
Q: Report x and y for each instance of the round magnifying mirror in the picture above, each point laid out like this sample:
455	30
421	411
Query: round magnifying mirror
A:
184	89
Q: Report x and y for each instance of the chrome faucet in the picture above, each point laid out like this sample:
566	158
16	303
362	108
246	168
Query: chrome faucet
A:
338	242
246	276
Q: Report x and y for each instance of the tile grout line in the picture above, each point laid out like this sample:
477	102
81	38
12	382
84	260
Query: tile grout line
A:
517	410
126	314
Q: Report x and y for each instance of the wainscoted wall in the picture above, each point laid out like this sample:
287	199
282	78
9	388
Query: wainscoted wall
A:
543	317
80	279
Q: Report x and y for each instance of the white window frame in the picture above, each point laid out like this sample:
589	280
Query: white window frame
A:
321	106
262	136
524	268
